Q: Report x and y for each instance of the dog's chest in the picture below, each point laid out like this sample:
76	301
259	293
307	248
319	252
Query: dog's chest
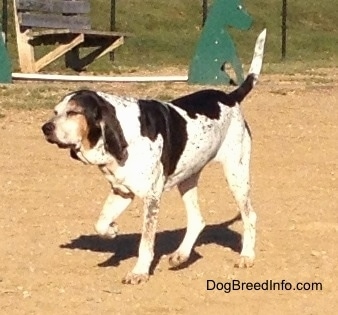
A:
114	177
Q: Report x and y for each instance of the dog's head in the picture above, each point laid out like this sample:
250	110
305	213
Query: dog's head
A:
84	119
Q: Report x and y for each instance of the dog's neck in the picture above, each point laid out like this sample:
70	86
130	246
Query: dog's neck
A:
96	155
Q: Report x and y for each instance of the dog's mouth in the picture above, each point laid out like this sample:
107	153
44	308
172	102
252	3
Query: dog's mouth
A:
64	146
60	145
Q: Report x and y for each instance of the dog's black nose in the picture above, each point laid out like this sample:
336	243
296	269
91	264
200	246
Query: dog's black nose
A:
48	128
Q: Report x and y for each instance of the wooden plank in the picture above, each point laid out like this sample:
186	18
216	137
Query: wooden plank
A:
48	32
54	21
113	46
75	62
25	50
26	54
58	52
90	33
54	6
94	33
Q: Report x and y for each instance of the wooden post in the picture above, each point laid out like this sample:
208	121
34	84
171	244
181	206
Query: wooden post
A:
112	22
4	19
25	50
205	11
284	28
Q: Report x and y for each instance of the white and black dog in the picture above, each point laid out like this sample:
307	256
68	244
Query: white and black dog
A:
144	147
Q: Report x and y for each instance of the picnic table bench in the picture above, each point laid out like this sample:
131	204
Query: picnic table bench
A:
64	23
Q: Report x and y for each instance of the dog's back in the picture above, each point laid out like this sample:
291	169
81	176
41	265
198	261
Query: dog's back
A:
208	114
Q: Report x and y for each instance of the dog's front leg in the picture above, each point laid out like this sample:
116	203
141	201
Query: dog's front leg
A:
140	272
114	205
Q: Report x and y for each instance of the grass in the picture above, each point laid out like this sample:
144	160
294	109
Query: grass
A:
30	96
166	32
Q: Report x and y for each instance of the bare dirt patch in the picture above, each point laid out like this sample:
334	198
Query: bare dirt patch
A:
53	263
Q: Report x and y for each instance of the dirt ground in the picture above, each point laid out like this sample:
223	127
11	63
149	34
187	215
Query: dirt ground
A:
53	263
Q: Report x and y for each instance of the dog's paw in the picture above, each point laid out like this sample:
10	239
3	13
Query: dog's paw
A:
176	259
110	232
244	262
134	278
113	230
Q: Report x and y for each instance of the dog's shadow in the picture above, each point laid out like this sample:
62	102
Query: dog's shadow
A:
125	246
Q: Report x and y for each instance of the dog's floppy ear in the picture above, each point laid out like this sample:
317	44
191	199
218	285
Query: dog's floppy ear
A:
112	133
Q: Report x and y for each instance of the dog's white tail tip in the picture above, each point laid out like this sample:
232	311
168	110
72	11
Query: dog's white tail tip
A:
257	60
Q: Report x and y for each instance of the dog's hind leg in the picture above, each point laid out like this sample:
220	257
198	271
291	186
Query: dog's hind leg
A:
235	158
195	224
114	205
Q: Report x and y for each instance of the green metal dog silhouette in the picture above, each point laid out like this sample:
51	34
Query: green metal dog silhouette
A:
5	63
216	47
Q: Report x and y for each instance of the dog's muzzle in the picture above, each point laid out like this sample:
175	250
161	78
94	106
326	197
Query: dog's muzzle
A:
48	130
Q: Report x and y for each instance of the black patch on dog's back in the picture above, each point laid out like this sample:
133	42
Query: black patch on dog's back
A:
203	102
158	118
207	102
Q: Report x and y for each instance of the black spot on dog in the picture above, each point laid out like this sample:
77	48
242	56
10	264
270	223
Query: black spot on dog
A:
209	102
157	118
97	110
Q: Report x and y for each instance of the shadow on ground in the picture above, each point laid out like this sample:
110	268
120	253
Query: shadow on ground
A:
125	246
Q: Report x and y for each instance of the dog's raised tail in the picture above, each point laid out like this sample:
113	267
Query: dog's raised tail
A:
254	71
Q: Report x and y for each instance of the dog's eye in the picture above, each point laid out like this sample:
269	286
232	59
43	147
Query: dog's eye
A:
72	113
